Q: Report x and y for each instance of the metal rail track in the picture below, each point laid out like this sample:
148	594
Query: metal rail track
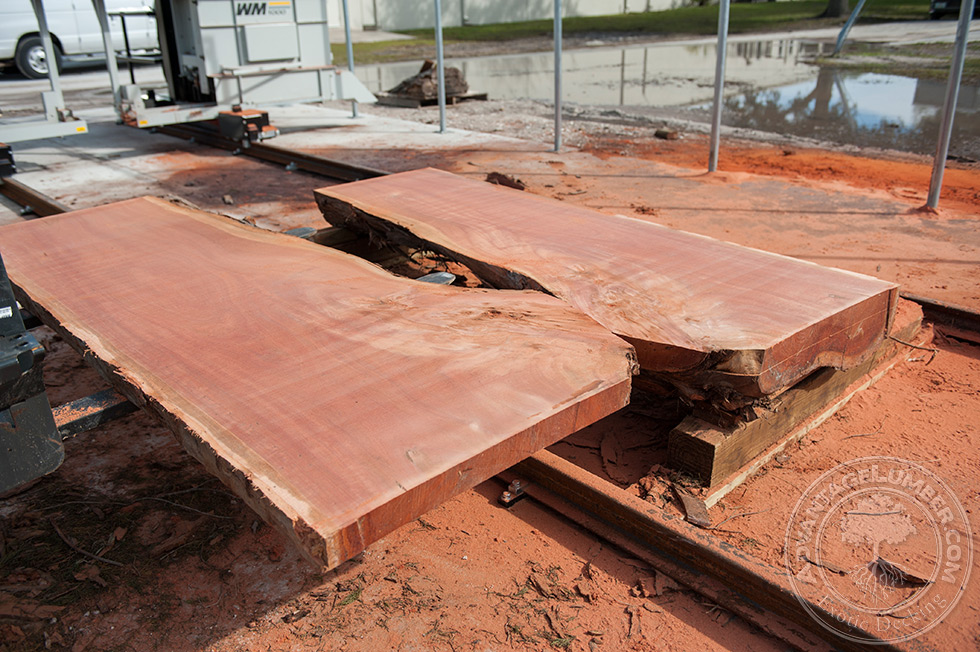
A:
318	165
30	200
735	580
947	314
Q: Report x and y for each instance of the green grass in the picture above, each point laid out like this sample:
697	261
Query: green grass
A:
685	20
351	597
919	60
744	17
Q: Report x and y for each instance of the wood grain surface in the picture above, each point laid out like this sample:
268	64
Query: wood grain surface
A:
338	400
710	313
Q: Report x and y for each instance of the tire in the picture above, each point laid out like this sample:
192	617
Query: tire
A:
31	60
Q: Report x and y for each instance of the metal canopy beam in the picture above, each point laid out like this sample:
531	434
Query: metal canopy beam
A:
350	53
723	8
110	51
440	69
58	121
558	37
949	106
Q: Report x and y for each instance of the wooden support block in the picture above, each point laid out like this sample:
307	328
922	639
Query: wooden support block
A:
337	400
716	318
711	453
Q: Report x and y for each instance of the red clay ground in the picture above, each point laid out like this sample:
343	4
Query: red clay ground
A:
908	178
190	568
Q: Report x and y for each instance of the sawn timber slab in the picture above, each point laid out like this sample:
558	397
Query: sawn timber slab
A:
714	316
338	400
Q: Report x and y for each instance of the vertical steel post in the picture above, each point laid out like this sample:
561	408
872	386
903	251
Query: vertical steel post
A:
949	106
350	53
847	27
49	54
440	71
110	51
557	75
719	84
129	50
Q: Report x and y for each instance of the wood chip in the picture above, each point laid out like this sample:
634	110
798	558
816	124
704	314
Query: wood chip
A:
663	584
695	510
633	621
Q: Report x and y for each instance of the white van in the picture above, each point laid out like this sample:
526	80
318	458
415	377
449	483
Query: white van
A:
74	31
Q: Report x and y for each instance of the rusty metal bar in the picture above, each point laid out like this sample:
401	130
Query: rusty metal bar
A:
31	200
681	544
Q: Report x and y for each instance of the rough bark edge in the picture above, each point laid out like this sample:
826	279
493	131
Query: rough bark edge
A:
329	550
703	380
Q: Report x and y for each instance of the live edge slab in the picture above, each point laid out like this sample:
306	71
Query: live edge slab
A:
338	400
716	319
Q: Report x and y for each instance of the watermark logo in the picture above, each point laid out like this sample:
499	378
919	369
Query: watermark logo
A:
878	550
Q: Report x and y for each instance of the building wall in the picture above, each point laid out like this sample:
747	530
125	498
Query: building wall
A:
393	15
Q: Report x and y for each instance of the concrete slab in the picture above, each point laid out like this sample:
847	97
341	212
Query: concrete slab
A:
115	162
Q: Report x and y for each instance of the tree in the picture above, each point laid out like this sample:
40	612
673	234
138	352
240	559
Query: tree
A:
875	520
835	9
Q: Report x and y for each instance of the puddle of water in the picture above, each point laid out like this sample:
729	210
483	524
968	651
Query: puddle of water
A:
658	75
864	109
770	86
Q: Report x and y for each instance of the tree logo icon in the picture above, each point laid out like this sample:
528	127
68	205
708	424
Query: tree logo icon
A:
878	550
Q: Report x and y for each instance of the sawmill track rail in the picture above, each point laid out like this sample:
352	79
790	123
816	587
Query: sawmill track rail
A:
750	588
327	168
947	314
30	200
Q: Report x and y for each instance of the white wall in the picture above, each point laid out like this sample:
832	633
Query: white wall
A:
395	15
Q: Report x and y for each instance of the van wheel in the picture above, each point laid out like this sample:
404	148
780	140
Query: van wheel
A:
31	59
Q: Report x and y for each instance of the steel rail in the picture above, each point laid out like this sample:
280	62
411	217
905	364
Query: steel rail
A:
271	154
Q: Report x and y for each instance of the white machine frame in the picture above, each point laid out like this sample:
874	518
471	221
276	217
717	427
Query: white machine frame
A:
243	56
58	119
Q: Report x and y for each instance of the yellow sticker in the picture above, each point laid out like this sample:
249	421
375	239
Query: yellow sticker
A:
143	123
81	130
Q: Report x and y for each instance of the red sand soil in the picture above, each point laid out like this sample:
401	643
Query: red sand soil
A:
190	568
907	178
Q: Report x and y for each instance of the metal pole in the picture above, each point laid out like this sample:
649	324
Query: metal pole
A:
557	75
847	26
350	54
110	51
440	70
719	84
129	50
49	53
949	106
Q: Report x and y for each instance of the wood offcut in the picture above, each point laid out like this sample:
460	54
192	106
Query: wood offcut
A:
337	400
715	318
712	454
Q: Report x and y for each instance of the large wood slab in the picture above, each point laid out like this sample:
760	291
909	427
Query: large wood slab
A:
718	317
339	401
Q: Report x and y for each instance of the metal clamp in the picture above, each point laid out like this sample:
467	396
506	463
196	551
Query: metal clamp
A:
515	493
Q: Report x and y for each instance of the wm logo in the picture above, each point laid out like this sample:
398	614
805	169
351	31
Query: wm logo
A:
252	9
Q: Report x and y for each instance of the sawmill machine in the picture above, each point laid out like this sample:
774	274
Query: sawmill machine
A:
31	433
219	54
30	445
